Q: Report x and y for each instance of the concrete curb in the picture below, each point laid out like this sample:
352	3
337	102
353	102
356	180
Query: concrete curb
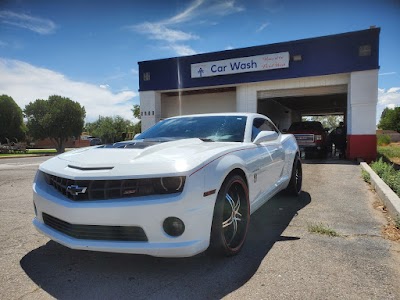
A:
389	198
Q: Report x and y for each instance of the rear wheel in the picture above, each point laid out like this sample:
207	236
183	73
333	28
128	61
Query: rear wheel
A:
296	179
231	217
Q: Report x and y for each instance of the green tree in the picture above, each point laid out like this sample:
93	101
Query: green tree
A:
136	111
331	121
11	120
390	119
57	118
110	129
137	128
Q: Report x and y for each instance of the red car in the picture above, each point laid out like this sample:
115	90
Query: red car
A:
311	137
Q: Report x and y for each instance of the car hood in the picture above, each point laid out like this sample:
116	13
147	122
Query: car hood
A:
166	158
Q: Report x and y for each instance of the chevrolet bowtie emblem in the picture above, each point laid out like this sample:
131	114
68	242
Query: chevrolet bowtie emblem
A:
74	190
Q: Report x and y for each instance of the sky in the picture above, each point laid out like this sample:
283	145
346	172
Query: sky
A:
89	50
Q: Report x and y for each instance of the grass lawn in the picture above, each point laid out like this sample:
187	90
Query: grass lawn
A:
391	151
30	152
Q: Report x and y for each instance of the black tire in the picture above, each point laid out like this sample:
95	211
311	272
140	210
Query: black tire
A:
296	179
231	217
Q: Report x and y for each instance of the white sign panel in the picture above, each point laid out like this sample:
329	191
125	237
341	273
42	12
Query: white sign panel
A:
241	65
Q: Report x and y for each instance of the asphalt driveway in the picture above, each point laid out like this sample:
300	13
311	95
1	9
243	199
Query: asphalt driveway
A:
280	260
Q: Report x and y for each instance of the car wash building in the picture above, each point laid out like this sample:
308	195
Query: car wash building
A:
329	75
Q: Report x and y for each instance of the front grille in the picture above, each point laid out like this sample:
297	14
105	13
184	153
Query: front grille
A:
96	232
84	190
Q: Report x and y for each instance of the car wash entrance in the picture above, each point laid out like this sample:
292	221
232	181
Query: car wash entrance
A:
329	75
295	111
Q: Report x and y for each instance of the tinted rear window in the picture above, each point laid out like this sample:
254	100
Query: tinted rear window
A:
306	126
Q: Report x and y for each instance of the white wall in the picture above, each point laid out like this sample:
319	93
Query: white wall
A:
362	100
362	89
279	114
150	108
197	104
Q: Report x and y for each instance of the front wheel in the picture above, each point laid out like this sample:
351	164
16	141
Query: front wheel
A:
296	179
231	217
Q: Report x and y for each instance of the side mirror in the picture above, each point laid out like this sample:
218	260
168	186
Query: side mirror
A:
265	136
136	135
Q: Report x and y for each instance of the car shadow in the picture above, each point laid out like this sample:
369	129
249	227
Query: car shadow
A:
74	274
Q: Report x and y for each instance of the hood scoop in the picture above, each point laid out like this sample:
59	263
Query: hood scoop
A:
90	168
131	145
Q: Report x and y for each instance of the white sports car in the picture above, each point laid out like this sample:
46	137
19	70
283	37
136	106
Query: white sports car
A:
187	184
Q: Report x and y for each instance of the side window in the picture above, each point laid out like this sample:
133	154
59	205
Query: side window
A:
260	124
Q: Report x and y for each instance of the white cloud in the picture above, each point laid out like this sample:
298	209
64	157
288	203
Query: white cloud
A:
181	50
387	98
204	8
393	90
262	27
35	24
25	83
162	30
186	15
104	86
387	73
224	8
158	31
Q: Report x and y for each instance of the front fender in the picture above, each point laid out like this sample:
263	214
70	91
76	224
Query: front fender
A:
216	172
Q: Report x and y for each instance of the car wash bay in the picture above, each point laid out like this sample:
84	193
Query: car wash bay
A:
335	74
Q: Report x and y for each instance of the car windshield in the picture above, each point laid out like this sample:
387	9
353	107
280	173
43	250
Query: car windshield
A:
211	128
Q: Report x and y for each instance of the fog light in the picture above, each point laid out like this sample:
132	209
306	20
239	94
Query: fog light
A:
173	226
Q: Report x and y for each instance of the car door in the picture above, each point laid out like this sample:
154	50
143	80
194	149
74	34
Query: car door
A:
271	156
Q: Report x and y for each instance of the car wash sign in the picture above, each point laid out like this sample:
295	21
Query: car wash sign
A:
241	65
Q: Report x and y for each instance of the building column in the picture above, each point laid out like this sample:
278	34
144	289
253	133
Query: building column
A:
361	115
150	108
246	98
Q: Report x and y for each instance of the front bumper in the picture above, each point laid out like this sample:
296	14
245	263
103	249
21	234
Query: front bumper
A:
148	212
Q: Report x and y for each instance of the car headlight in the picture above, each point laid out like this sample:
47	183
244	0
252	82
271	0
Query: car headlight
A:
318	137
172	184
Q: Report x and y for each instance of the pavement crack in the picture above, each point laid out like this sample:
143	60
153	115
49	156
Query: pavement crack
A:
361	235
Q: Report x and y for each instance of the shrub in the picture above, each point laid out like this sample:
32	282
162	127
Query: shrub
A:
365	175
388	174
390	151
383	139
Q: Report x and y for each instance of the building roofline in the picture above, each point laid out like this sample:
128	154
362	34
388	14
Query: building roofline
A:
376	29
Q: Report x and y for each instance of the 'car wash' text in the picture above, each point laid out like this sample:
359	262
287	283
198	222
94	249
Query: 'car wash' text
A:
234	66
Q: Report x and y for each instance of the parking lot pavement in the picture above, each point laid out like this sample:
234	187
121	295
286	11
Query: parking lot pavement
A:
280	260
